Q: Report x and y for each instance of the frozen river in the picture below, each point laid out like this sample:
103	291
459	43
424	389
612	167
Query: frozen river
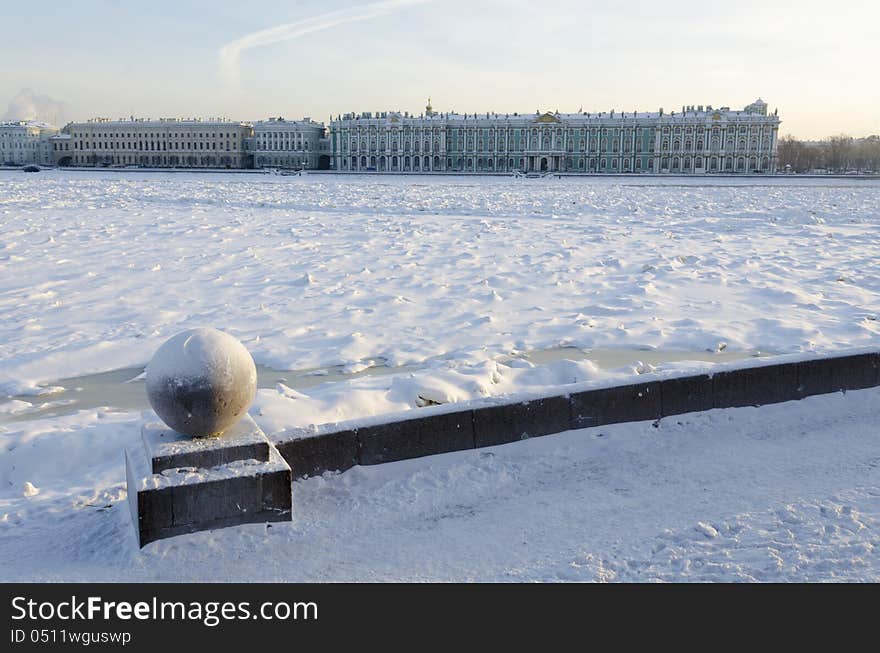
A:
98	268
380	294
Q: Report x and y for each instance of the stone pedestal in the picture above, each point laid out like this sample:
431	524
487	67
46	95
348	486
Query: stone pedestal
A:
178	485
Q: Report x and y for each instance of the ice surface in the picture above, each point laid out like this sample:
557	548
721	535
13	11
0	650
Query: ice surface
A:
458	276
98	269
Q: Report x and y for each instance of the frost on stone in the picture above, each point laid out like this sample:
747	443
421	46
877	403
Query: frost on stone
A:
201	381
198	353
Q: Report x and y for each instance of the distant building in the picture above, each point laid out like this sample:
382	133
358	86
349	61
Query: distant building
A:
293	144
697	140
164	143
25	142
325	147
60	145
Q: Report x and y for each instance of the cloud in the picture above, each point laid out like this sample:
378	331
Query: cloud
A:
27	105
230	53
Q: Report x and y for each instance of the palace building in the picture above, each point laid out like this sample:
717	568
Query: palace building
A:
293	144
25	142
696	140
168	142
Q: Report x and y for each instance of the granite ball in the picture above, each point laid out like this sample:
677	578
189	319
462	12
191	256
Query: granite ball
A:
201	382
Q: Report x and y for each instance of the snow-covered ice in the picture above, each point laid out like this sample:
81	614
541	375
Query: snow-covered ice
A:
455	278
98	269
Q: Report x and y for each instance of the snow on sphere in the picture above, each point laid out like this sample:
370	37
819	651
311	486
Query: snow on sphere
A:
201	382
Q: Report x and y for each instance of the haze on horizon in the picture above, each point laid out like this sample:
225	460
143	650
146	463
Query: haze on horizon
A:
814	61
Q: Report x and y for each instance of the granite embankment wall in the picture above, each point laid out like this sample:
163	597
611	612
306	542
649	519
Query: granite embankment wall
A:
482	424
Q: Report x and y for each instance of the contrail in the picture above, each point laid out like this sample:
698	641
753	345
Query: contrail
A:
231	52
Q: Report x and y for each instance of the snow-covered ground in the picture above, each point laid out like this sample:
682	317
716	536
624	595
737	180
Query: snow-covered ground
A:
783	492
456	278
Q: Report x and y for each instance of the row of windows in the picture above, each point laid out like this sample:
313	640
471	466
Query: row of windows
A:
516	133
570	145
716	144
482	146
646	131
211	161
147	134
456	164
480	164
287	134
147	145
291	147
491	139
623	137
728	164
716	128
297	162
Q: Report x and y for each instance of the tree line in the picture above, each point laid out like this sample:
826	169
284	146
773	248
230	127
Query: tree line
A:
835	154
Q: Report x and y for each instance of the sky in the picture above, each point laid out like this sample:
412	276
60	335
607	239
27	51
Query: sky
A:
814	61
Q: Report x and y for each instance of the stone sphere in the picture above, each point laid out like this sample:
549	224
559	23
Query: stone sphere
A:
201	382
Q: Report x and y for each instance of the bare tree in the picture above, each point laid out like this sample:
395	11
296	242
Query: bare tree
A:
838	154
